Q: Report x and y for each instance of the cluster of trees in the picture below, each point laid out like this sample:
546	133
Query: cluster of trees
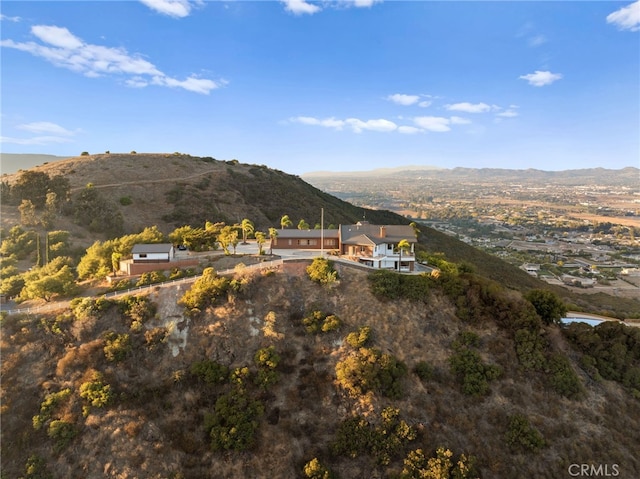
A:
609	350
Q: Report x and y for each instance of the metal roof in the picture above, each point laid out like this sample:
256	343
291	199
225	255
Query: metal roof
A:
152	248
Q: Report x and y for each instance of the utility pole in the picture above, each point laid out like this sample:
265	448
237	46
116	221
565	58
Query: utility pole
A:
322	232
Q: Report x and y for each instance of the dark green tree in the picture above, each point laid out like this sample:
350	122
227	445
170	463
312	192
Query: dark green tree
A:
548	305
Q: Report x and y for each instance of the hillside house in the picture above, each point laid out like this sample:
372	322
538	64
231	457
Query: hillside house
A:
152	257
377	245
307	239
153	253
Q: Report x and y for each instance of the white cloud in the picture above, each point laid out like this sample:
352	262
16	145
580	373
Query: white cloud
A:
9	19
433	123
469	107
37	140
425	103
409	130
172	8
300	7
47	133
56	36
355	124
45	127
539	78
363	3
626	18
509	113
537	40
63	49
457	120
328	122
374	125
401	99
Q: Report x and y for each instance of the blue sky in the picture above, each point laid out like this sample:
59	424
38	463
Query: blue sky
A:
342	85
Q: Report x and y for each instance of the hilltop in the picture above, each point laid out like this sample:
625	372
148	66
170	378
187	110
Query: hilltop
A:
170	190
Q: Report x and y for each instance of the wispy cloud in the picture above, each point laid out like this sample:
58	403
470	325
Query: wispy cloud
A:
63	49
537	40
306	7
510	112
36	140
9	19
469	107
433	123
541	78
355	124
300	7
45	127
47	133
407	100
402	99
626	18
420	124
173	8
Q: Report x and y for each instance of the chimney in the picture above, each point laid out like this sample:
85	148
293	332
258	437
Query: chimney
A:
383	232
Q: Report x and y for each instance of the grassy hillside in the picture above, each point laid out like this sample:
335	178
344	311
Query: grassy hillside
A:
253	387
171	190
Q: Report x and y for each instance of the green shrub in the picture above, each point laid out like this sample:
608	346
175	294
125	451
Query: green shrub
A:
52	401
468	368
209	371
423	370
205	291
267	361
315	470
384	441
360	338
530	346
419	466
321	271
564	379
522	436
367	369
234	422
117	346
62	433
331	323
318	321
126	200
548	305
96	392
36	468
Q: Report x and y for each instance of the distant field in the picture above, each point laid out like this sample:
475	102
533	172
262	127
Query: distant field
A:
12	162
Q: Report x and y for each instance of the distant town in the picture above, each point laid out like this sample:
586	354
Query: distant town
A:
579	229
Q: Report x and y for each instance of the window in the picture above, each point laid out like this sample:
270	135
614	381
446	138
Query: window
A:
143	255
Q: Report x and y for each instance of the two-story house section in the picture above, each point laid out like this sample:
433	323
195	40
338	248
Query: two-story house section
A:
377	245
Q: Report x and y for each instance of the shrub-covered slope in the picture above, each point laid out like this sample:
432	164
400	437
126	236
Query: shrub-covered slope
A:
282	375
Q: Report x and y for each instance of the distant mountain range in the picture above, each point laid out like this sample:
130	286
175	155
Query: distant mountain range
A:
12	162
628	176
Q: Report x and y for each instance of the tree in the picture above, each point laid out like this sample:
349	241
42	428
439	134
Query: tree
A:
273	234
56	278
228	236
548	305
285	222
260	239
303	225
403	245
247	228
27	213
